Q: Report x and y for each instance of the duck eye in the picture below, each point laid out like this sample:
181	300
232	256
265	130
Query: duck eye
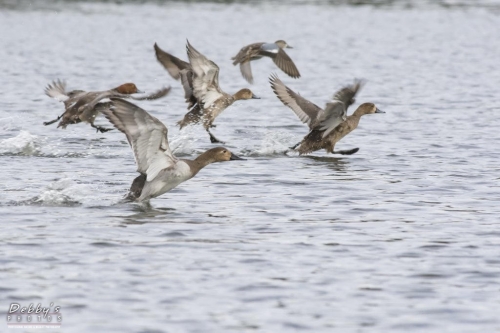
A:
224	151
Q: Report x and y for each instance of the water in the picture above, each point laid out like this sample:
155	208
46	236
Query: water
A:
402	236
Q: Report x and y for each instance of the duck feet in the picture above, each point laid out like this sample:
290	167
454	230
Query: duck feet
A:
213	139
293	148
52	121
101	129
346	152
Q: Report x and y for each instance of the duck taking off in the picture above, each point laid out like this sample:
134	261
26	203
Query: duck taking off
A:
85	106
327	126
200	81
274	51
160	171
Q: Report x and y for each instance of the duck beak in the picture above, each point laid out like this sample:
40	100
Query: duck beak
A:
140	91
379	111
255	97
289	47
235	157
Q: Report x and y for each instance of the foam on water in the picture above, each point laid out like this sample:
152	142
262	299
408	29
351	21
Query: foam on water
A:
22	144
276	143
68	192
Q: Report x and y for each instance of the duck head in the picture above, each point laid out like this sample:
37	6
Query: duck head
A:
282	44
367	108
218	154
127	89
245	94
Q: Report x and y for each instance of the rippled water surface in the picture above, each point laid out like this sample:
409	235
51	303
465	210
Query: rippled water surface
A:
402	236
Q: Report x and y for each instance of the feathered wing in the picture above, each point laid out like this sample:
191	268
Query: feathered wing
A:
246	71
187	84
172	64
334	115
155	95
336	111
307	112
283	61
206	77
146	135
57	90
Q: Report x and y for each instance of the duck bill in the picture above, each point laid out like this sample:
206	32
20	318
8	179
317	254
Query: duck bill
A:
235	157
379	111
255	97
140	91
289	47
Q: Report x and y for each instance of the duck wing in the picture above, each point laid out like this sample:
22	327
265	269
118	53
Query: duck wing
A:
206	77
246	71
187	84
336	111
280	58
57	90
172	64
307	111
146	135
155	95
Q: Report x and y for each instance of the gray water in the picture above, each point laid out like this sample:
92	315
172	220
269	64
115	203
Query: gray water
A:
402	236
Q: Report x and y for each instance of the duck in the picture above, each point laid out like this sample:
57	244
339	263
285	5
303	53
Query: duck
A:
160	170
329	125
200	80
83	106
274	51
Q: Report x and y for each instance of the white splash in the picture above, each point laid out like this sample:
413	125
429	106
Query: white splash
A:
183	143
276	143
22	144
67	192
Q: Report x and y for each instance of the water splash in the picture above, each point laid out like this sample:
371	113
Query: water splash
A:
65	192
23	144
183	143
276	143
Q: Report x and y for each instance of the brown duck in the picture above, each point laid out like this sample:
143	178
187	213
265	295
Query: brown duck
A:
328	126
200	80
82	106
160	170
274	51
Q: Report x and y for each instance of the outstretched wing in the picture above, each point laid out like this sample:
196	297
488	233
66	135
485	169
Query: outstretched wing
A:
307	112
146	135
156	95
336	111
246	71
187	84
172	64
283	61
57	90
206	77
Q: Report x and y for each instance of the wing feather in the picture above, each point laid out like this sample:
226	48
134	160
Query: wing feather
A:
307	111
283	61
146	135
246	71
172	64
206	77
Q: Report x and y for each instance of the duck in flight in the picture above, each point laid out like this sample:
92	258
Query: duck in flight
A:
160	171
200	80
83	106
327	126
274	51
